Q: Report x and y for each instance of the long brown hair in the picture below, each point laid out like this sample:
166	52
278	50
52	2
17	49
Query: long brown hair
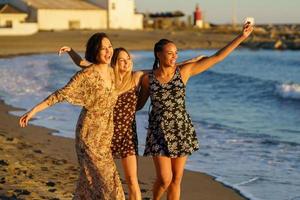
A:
127	82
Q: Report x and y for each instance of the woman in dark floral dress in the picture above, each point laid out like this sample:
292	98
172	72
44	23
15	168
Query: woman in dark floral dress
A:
171	136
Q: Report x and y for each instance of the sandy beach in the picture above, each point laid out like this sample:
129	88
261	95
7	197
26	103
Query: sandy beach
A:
34	164
46	42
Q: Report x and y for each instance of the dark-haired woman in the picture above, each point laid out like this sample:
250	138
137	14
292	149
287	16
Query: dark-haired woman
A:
171	136
92	88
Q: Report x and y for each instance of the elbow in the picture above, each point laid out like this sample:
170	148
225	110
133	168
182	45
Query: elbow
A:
219	58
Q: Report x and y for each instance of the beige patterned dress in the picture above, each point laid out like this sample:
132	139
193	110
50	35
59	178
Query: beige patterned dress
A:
98	179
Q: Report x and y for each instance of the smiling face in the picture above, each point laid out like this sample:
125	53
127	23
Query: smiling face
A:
124	62
168	56
105	52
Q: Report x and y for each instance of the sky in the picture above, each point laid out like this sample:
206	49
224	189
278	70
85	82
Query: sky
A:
221	11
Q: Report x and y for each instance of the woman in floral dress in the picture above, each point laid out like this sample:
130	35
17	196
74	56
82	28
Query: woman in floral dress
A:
92	88
171	136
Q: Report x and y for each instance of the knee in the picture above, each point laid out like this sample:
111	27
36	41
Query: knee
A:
131	180
176	179
165	181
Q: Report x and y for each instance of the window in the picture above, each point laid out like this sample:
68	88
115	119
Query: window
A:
113	6
73	25
8	24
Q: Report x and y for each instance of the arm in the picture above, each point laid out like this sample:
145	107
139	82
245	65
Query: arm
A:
27	116
192	60
144	92
76	58
192	69
74	92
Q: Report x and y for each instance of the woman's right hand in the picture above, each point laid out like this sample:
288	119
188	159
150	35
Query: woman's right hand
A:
23	122
64	49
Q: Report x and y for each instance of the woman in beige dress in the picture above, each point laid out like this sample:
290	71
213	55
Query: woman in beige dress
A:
93	88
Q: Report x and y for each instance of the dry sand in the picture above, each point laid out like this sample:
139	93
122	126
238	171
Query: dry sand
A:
45	42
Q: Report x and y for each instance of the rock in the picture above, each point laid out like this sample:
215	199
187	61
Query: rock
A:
10	139
22	192
30	176
50	184
2	180
4	163
44	168
52	190
59	162
37	151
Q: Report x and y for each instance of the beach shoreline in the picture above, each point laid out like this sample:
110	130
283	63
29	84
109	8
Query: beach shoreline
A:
37	164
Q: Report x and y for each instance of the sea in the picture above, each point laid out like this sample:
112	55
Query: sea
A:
246	111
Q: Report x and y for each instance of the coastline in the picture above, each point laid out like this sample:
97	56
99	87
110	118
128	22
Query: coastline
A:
36	164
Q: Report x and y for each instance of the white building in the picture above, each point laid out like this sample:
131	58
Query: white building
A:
12	21
121	14
81	14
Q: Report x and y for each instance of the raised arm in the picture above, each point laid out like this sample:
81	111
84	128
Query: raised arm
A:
192	60
194	68
82	63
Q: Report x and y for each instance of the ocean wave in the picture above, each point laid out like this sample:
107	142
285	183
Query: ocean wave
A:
248	181
289	90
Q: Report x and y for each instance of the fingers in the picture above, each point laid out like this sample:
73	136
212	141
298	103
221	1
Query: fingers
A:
63	49
23	122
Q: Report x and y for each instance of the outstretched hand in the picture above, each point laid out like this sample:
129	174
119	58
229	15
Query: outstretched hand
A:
247	29
23	122
64	49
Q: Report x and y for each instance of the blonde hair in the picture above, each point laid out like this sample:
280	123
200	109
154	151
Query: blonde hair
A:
127	81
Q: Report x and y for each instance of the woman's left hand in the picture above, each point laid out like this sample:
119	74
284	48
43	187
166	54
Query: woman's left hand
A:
247	29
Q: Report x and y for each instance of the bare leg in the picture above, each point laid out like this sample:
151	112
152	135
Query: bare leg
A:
177	170
163	176
130	170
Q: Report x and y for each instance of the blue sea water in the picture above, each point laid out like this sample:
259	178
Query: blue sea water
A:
246	111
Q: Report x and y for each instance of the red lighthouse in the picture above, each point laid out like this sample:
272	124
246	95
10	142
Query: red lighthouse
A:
198	19
197	15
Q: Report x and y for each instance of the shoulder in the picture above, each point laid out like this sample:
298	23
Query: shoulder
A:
83	74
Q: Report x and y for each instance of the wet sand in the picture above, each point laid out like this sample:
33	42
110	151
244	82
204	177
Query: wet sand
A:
37	165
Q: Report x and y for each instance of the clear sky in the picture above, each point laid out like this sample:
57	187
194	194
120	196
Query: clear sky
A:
220	11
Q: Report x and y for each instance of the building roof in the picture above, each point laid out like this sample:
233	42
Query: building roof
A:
62	4
9	9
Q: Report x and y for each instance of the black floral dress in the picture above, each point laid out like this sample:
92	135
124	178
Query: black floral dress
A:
124	142
171	132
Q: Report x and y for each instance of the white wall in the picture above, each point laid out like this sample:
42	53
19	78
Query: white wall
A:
123	15
14	18
20	29
59	19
